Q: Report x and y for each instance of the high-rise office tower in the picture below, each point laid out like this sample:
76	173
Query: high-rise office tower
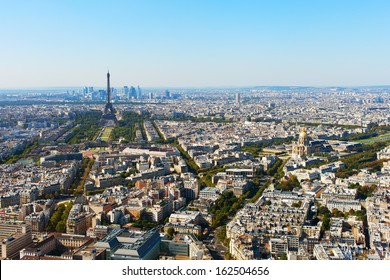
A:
125	90
238	98
132	93
139	93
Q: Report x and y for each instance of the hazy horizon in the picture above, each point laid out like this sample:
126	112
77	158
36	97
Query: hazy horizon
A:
191	87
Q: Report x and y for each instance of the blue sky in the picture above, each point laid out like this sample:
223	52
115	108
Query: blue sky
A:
194	43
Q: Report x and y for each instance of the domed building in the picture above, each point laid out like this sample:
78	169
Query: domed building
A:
302	147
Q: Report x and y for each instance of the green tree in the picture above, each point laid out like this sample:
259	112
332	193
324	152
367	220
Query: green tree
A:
170	232
221	233
283	257
322	210
325	223
289	184
61	226
365	191
228	256
87	126
274	168
260	192
297	204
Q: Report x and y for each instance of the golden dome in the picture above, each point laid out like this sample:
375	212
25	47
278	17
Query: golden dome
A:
303	132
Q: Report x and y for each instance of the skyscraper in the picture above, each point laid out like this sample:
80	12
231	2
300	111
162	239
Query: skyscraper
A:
132	93
139	93
238	98
125	91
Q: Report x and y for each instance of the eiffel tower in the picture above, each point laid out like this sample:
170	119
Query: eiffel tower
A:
108	118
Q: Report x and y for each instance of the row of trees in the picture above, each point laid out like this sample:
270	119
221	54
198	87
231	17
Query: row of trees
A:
289	184
207	178
277	169
373	131
57	221
88	126
85	170
324	214
327	125
127	126
185	117
252	149
365	159
363	192
21	153
77	187
260	192
144	224
190	161
255	149
225	206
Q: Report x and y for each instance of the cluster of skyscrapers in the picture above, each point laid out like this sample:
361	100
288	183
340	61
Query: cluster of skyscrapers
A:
126	93
131	92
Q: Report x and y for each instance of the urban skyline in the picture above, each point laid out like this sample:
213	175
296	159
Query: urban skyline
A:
250	174
224	130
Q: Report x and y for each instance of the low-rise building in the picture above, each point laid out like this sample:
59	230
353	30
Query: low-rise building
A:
343	205
122	244
14	238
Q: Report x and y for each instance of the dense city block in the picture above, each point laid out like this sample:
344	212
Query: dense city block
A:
220	173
